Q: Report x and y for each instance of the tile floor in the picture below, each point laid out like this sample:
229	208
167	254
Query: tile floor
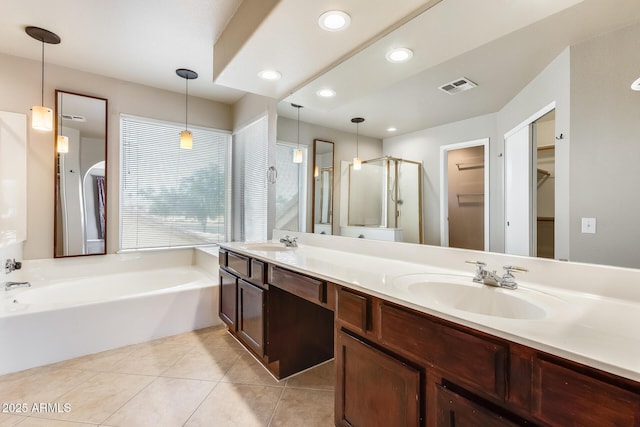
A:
199	378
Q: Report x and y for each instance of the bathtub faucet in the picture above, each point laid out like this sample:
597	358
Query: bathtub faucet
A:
9	286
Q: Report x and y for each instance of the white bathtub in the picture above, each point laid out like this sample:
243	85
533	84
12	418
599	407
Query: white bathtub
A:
79	306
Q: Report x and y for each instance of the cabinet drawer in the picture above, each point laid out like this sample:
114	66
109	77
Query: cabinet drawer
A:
479	362
311	289
258	272
222	257
354	309
238	263
565	397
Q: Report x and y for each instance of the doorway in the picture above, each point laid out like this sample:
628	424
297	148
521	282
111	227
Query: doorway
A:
530	186
464	195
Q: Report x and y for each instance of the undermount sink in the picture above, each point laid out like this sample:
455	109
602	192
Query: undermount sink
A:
461	293
267	247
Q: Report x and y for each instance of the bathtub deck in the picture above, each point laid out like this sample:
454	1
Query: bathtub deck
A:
199	378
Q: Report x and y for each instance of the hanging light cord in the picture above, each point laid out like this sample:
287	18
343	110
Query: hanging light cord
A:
357	138
298	128
42	78
186	109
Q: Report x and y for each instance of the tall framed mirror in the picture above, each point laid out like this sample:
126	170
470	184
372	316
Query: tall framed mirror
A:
322	212
80	226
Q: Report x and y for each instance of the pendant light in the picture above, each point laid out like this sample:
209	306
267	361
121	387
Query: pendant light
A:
41	116
297	153
357	162
186	139
62	142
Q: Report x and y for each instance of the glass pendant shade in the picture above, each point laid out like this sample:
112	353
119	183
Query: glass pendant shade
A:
186	140
357	163
62	144
41	118
297	155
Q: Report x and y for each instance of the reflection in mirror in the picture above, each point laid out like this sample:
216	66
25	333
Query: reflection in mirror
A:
584	72
322	187
80	185
385	200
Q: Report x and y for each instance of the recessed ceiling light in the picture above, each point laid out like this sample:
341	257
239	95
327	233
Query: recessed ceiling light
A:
400	54
270	75
326	93
636	85
392	129
334	20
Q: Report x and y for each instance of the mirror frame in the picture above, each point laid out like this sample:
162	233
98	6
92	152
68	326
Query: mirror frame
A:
56	157
313	185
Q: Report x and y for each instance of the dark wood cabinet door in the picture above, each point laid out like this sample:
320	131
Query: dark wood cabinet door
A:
251	303
228	299
454	410
374	388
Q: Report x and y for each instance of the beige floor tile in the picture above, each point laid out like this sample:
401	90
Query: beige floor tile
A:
165	402
222	343
304	407
44	387
104	361
10	420
25	373
194	337
43	422
321	377
200	364
247	370
99	397
150	359
232	405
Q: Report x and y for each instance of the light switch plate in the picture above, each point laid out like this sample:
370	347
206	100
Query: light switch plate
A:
589	225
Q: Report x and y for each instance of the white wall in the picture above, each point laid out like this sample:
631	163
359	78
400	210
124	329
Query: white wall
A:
605	148
20	89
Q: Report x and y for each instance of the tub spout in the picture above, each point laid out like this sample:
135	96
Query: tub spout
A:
8	286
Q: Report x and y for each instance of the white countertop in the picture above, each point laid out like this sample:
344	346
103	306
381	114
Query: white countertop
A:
591	323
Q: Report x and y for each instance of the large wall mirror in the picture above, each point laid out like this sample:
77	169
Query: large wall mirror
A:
582	73
322	187
81	175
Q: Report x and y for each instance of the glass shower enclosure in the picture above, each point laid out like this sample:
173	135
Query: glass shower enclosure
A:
387	193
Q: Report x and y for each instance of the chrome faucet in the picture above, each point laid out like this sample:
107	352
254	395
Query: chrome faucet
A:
289	241
491	278
9	286
11	265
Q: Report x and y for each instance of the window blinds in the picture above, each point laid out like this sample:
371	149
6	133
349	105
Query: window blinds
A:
250	152
171	196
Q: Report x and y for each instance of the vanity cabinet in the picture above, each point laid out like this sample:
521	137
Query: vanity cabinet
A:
283	317
460	376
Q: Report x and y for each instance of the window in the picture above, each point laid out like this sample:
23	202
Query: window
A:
171	196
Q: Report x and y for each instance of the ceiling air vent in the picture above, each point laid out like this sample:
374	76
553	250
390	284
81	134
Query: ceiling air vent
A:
458	85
